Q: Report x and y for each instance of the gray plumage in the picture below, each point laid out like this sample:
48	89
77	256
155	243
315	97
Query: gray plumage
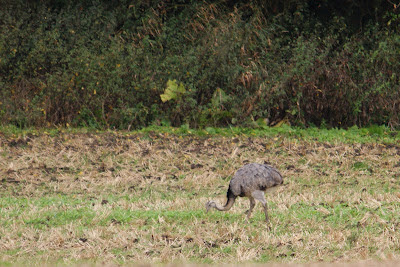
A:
251	181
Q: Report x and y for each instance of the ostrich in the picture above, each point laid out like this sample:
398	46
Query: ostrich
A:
251	181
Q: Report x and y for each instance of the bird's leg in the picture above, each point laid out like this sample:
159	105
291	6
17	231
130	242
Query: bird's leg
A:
266	212
252	204
259	195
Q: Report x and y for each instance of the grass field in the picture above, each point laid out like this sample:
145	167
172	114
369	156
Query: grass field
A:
76	196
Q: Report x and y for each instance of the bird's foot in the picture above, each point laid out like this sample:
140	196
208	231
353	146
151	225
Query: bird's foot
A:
248	213
268	224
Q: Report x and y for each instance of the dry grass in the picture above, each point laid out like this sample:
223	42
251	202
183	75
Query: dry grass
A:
119	198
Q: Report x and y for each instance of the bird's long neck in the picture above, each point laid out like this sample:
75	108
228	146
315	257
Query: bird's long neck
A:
227	206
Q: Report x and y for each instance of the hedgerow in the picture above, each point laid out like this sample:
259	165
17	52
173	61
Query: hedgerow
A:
106	64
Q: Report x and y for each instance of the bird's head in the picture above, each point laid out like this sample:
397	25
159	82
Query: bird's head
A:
210	204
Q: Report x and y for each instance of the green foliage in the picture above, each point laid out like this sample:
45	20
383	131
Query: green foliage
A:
105	65
173	91
359	165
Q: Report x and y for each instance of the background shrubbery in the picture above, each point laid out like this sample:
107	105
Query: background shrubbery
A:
106	63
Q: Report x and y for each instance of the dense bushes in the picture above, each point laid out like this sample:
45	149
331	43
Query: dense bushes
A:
106	63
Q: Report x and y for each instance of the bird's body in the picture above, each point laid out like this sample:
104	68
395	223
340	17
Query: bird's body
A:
251	181
252	177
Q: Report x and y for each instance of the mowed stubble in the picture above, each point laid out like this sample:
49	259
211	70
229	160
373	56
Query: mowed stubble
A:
121	198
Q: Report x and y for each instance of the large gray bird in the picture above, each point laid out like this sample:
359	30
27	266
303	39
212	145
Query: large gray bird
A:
251	181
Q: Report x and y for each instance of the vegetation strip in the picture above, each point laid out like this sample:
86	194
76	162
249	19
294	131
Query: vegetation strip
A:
128	65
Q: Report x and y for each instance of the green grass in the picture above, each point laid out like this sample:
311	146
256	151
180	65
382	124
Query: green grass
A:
61	211
353	134
374	133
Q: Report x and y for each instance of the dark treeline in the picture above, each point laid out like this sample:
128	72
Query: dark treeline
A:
128	64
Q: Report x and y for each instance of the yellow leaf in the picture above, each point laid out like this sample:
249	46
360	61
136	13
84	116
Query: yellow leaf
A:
173	91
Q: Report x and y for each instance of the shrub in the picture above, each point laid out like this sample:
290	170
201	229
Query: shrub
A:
106	64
